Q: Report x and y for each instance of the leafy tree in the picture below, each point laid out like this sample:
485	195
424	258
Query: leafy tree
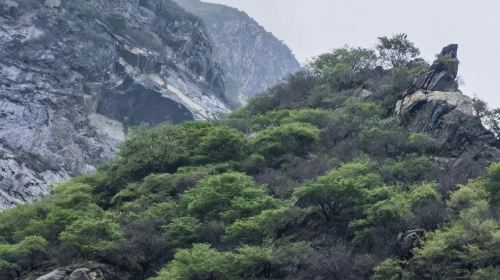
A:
383	137
409	169
396	50
23	255
341	192
389	211
342	68
92	236
182	231
293	138
265	224
493	182
227	197
199	262
222	144
423	143
153	150
389	269
463	247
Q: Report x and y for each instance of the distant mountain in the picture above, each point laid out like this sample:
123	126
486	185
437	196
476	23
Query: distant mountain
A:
74	75
252	58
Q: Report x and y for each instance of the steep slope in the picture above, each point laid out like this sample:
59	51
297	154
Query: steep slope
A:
325	176
74	75
252	58
433	104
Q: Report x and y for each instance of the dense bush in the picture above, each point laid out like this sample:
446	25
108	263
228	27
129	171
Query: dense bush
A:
315	179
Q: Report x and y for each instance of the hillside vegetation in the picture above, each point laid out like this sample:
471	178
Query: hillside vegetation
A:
316	179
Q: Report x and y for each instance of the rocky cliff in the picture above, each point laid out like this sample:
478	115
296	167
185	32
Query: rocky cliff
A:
252	58
433	104
74	75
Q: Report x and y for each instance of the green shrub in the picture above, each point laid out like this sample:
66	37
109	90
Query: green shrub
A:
293	138
92	236
182	232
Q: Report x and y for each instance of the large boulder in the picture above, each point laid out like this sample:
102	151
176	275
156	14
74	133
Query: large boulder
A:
434	105
441	75
86	271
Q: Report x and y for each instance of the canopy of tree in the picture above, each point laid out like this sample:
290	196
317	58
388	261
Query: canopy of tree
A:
309	181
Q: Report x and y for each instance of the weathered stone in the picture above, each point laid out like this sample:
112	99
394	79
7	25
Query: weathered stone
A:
80	274
252	58
466	146
442	74
58	274
68	92
407	240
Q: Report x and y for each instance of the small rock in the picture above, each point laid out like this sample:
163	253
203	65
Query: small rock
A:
57	274
79	274
364	94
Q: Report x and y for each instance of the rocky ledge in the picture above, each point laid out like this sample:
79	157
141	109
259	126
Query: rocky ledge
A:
434	105
75	75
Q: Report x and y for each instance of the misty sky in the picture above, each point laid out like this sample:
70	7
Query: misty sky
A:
311	27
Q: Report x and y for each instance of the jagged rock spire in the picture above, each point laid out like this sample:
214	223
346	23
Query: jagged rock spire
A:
441	76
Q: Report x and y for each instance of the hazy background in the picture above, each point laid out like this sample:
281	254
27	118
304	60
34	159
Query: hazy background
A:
312	27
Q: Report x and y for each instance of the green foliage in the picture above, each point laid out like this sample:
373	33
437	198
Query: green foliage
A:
409	169
384	137
390	269
342	67
336	184
91	236
340	193
22	255
226	197
265	224
389	211
493	183
199	262
466	245
423	143
149	151
293	138
182	231
396	50
222	144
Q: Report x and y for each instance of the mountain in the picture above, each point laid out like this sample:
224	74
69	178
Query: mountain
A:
353	168
76	75
252	58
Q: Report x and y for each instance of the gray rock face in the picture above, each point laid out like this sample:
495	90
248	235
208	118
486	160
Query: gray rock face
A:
57	274
87	271
74	75
442	74
252	58
434	105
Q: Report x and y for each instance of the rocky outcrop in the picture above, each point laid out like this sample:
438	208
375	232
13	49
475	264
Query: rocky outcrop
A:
441	75
74	75
407	240
86	271
434	105
252	58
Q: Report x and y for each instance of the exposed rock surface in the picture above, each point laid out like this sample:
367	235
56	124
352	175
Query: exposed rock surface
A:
441	75
87	271
434	105
74	75
252	58
407	240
